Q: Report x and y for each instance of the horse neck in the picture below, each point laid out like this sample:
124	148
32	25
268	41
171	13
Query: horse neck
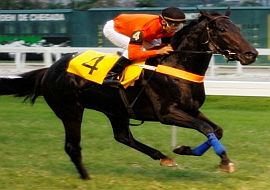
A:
193	53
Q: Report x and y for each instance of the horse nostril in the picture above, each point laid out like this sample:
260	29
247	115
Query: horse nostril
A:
251	54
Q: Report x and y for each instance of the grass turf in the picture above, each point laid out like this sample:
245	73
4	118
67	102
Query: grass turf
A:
32	155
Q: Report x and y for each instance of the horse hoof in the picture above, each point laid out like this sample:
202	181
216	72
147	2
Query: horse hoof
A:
168	162
183	150
85	176
229	168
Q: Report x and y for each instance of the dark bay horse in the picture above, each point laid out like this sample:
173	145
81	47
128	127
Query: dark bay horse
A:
156	97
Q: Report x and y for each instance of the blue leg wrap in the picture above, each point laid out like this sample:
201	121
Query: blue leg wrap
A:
201	149
218	147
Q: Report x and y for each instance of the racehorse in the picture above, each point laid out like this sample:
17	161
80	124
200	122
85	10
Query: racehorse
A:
169	99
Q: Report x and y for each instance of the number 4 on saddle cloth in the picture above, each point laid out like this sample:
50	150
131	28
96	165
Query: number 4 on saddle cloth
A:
94	66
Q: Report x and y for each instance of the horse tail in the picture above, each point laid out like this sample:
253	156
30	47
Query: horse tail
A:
26	85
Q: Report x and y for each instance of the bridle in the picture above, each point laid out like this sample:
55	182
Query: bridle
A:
214	47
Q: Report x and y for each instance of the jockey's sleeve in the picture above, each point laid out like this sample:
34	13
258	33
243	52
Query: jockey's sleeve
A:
136	50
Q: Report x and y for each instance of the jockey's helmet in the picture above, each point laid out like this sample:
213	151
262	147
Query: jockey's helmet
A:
173	14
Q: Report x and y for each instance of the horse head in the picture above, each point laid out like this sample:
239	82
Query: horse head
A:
217	33
224	37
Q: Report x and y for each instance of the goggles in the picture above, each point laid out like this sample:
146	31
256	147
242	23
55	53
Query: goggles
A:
172	24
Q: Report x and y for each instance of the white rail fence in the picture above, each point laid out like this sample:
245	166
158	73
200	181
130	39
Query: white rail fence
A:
48	53
247	87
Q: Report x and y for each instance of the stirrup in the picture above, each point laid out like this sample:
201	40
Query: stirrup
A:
111	76
110	82
112	79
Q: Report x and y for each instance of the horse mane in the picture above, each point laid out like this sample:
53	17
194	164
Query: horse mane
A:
181	34
177	38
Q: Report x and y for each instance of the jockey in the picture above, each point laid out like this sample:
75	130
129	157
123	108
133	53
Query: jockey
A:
143	35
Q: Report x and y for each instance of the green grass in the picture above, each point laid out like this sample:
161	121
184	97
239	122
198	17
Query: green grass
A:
32	155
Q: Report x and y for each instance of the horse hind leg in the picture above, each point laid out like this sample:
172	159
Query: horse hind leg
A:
123	135
72	146
71	117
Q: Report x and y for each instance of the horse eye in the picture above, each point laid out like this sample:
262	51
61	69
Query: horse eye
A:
222	29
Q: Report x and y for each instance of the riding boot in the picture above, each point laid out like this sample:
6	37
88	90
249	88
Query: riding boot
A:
120	65
114	75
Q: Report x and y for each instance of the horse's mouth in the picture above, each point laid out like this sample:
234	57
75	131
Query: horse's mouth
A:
245	59
248	57
230	56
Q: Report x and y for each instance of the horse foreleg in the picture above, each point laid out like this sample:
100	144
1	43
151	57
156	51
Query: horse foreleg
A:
203	125
217	129
197	151
72	146
123	135
225	164
202	148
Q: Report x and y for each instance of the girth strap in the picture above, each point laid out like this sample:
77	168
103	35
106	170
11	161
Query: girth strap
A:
128	105
126	102
122	93
178	73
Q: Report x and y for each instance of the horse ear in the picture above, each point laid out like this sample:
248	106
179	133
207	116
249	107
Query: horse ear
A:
205	14
228	11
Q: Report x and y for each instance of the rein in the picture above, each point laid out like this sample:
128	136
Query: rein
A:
190	51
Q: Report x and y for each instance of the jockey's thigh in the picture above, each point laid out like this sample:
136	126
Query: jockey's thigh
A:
116	38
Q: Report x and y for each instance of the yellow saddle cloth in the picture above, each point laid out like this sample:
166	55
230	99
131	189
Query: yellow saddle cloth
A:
94	66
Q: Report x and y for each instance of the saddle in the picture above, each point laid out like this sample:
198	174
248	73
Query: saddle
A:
95	66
